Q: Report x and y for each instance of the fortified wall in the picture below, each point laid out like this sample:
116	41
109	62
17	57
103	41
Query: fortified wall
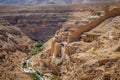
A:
67	35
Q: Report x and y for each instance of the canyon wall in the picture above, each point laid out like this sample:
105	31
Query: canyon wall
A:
14	46
74	33
41	22
95	56
93	24
39	26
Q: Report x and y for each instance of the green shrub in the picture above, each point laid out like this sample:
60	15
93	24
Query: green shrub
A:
55	77
34	76
36	49
39	44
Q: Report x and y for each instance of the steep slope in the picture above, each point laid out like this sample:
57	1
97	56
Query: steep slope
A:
14	46
71	34
45	20
34	21
95	55
84	56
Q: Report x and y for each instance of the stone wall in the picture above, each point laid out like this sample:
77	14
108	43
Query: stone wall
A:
74	33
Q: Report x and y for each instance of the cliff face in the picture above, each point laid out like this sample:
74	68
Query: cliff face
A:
13	39
38	26
14	45
88	55
97	55
41	22
73	53
71	34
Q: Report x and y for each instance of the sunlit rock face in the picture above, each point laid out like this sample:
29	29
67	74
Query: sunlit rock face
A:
12	39
14	46
39	22
85	56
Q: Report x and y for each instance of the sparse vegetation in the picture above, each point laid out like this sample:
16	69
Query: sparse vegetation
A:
91	54
36	49
54	77
34	75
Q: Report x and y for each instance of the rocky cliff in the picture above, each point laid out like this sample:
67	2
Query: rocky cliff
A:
45	20
91	55
39	23
96	55
71	34
14	46
85	48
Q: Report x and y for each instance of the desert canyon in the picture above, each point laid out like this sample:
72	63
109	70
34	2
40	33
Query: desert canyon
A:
60	42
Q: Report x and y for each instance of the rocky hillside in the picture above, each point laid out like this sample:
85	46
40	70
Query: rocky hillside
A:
14	46
84	41
94	54
35	21
39	26
41	22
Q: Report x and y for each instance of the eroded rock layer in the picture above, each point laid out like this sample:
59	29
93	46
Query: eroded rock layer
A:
41	22
92	55
14	46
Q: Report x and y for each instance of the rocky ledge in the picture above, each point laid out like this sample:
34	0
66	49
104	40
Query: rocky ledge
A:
93	55
14	46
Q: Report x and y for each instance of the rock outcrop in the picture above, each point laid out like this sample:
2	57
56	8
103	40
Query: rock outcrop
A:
34	21
41	22
85	48
68	35
91	55
97	59
14	46
37	24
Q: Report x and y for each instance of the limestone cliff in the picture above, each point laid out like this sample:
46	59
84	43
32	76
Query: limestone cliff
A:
14	46
85	48
72	34
92	54
41	22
